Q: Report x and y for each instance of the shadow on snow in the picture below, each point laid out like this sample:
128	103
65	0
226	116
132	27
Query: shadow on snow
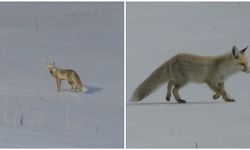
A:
93	89
175	103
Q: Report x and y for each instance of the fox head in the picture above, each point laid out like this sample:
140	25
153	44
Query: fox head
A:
51	67
240	59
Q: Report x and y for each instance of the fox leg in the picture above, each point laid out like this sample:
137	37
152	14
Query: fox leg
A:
57	85
59	82
215	88
80	88
169	89
225	95
77	87
74	87
176	92
71	85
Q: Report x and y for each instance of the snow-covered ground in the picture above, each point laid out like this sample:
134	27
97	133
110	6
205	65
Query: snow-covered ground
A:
86	37
158	31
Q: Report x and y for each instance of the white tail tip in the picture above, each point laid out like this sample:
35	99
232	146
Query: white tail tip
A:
84	89
134	99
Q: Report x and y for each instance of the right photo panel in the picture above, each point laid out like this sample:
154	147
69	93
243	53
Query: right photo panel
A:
188	78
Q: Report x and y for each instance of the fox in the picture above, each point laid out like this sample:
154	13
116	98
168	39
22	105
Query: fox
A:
184	68
66	74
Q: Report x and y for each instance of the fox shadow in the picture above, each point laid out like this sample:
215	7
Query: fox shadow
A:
93	89
175	103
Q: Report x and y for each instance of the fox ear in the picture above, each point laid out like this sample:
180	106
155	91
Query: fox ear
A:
235	52
53	63
243	51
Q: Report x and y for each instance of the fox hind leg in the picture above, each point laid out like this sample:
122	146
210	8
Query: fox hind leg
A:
80	88
77	88
169	89
74	87
71	86
177	87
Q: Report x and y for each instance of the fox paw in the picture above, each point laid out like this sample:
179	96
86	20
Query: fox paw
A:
230	100
181	101
168	98
216	96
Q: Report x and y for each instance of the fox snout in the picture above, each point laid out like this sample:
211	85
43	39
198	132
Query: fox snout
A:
245	69
51	72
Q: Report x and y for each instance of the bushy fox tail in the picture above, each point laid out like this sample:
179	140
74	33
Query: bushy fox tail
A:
155	80
79	84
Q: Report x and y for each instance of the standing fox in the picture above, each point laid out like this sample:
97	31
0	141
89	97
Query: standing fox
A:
66	74
184	68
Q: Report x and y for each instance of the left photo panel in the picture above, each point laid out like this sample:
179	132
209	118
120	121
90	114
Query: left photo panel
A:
62	83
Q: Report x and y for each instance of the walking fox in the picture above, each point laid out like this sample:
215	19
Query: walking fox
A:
66	74
184	68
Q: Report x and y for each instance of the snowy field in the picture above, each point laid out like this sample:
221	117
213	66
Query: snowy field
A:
158	31
86	37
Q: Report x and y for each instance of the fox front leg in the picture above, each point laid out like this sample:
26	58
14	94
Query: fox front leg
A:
169	89
57	85
225	95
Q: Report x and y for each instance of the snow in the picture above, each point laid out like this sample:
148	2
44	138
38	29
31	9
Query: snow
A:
86	37
158	31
